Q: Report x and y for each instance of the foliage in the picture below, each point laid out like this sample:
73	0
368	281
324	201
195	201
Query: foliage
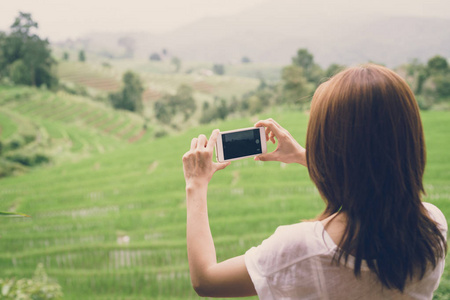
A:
182	102
245	60
437	64
219	110
66	56
40	287
24	57
74	89
295	88
311	70
19	73
333	69
430	82
130	96
27	159
8	168
162	112
301	78
155	56
81	56
218	69
177	63
129	44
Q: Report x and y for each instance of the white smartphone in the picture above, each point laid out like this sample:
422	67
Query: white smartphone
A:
240	143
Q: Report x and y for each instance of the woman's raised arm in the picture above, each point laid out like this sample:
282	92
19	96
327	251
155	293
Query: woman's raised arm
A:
209	278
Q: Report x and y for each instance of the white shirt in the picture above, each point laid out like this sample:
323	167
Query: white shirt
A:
294	263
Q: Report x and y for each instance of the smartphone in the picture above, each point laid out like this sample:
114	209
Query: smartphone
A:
240	143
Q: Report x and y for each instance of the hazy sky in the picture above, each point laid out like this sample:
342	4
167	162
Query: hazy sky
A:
61	19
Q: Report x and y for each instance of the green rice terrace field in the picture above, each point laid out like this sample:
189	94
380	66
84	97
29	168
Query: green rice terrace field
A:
157	82
112	224
64	126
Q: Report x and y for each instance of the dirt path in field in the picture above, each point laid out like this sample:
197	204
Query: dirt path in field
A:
137	137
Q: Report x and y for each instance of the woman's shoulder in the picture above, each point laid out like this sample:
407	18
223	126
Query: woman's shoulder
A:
290	244
437	215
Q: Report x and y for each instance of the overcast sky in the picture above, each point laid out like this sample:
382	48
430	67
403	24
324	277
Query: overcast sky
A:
61	19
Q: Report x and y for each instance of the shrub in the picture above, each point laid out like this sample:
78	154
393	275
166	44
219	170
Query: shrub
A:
160	133
28	160
219	69
40	287
15	144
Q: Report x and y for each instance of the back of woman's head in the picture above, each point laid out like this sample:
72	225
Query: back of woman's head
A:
366	154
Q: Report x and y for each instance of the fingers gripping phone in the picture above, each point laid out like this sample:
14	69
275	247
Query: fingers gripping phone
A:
240	143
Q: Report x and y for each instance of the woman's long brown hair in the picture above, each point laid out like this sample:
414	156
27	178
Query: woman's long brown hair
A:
365	151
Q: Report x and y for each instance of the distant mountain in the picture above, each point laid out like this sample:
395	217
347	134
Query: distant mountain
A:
274	30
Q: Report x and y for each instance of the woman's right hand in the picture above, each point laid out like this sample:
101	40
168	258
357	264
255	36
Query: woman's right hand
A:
287	151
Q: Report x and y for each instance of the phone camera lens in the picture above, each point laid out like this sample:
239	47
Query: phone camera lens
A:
257	141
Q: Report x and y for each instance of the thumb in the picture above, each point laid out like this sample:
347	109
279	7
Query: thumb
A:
267	157
220	166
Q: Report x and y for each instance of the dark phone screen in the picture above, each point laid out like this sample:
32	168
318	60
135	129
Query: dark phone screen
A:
242	143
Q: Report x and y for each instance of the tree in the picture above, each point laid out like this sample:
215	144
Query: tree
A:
245	60
81	56
437	64
431	82
219	110
129	44
219	69
177	63
130	96
162	113
303	59
24	56
182	102
66	55
311	70
295	88
333	69
442	83
19	73
155	57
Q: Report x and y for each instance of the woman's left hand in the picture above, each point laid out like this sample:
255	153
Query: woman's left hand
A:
198	166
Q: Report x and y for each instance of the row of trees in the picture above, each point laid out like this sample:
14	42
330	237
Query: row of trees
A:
81	56
430	82
299	80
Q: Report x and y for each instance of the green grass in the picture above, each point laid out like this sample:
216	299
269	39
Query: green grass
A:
80	209
7	126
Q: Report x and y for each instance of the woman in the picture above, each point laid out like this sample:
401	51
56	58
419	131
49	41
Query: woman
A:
375	239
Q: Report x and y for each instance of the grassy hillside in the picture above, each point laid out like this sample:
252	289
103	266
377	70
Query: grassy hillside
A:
37	126
160	77
84	212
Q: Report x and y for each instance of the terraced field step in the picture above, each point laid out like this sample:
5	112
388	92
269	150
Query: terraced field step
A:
89	75
65	108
